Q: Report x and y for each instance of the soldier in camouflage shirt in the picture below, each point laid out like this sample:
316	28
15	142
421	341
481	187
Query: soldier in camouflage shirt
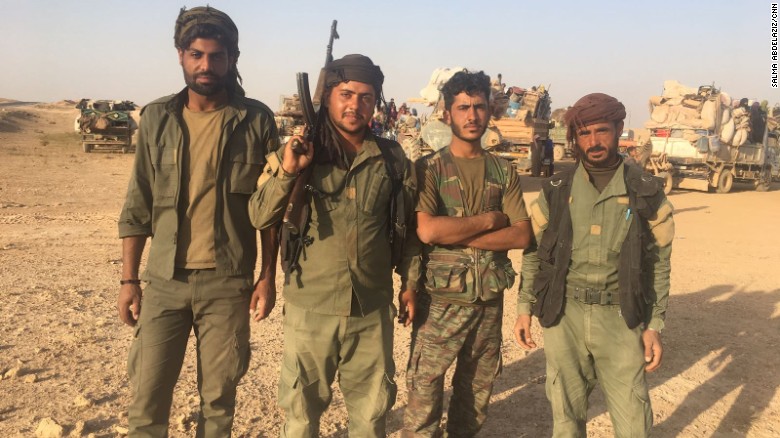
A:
470	213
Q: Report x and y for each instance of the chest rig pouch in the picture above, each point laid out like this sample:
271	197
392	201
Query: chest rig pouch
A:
462	274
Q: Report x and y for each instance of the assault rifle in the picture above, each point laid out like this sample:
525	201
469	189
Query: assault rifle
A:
296	216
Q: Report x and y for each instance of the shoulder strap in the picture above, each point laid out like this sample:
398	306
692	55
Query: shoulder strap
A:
394	165
556	191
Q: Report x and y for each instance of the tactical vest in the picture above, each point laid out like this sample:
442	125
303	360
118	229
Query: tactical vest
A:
461	274
645	195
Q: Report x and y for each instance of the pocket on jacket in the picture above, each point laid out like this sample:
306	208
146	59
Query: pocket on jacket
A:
625	218
541	288
376	198
162	155
166	182
446	278
496	278
243	177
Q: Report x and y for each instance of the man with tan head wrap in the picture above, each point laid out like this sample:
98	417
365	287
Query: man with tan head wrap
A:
338	309
198	158
597	276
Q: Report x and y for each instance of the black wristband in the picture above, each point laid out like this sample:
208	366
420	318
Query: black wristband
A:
131	281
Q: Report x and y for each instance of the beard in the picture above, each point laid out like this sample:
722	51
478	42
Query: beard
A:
606	160
216	87
457	131
351	128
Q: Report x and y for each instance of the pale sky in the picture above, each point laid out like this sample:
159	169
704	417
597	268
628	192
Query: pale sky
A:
118	49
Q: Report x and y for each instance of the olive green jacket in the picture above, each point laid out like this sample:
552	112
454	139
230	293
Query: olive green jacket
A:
600	223
150	209
349	228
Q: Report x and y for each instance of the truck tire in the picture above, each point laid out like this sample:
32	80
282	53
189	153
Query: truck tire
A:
765	180
87	147
725	181
558	152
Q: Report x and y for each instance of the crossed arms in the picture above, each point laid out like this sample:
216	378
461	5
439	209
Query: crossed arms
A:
487	231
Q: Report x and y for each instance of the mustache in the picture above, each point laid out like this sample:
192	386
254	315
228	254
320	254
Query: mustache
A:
353	114
597	149
205	74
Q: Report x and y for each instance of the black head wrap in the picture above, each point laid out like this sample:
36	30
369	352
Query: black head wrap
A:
354	68
593	108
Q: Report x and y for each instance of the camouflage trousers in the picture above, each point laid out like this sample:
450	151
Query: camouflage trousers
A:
470	334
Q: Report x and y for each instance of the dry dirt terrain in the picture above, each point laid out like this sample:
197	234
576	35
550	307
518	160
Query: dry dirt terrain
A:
63	349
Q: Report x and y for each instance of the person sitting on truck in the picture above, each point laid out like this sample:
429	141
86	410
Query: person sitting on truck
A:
757	123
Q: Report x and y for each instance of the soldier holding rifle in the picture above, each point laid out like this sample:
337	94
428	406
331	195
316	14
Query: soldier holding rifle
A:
338	308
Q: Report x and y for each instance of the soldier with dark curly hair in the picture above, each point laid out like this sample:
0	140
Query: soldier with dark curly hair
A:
470	213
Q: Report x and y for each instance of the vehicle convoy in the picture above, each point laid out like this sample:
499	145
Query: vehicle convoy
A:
517	131
106	124
702	140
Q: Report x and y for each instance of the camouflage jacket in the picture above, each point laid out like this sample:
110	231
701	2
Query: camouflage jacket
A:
461	274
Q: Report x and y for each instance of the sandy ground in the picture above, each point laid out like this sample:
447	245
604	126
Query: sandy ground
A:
63	350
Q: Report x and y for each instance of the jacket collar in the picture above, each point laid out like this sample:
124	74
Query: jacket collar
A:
615	187
235	106
369	149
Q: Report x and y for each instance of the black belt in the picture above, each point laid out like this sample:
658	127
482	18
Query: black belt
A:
587	295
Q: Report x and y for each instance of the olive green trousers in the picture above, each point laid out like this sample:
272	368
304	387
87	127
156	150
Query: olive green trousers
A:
216	308
316	347
591	344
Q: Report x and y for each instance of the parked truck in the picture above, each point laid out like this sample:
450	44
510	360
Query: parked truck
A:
562	148
106	124
700	140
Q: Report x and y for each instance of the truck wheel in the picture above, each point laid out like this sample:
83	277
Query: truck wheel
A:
87	147
668	181
762	184
125	149
558	152
725	181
